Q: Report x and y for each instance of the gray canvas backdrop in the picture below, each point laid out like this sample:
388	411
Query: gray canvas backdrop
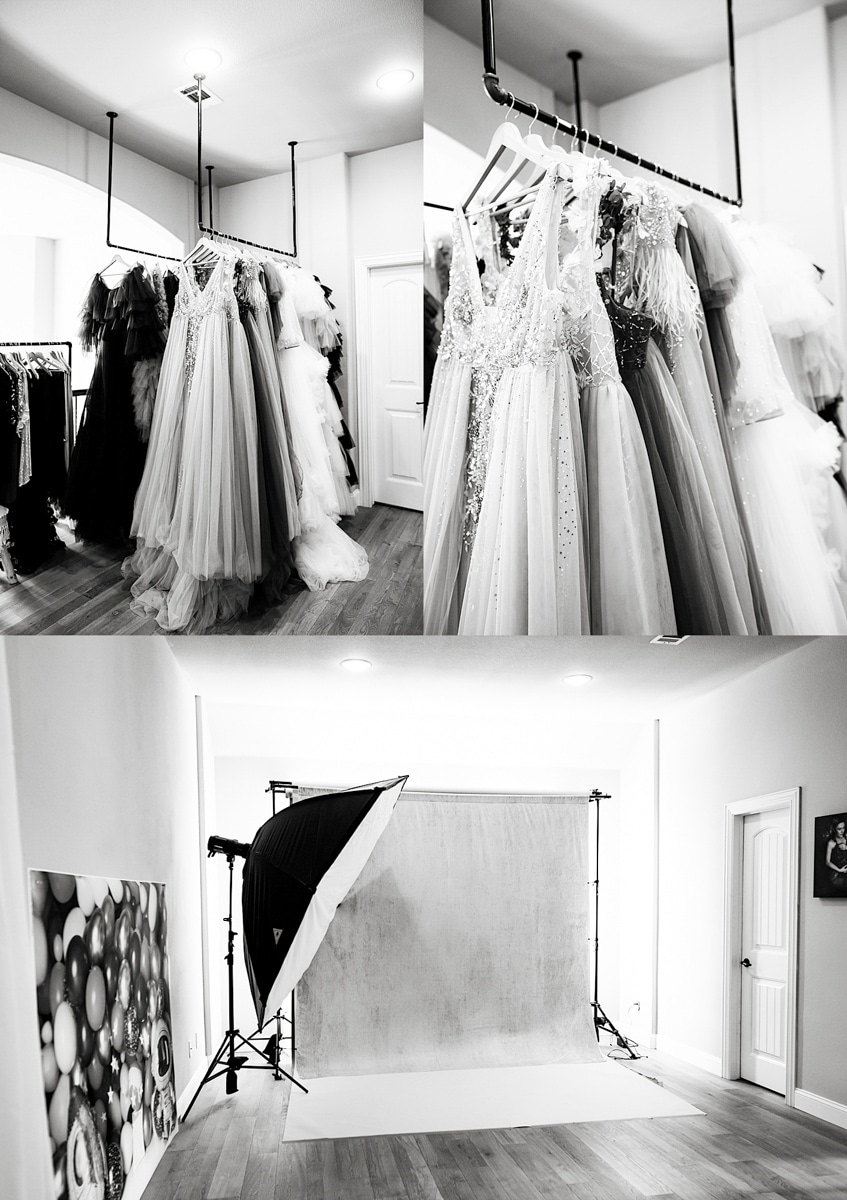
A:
464	943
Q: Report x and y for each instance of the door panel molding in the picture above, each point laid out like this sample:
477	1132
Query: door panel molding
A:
733	861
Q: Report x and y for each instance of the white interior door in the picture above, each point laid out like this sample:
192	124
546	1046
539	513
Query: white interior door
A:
765	949
394	374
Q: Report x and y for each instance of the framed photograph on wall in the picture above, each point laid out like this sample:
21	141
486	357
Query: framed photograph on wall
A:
831	856
104	1013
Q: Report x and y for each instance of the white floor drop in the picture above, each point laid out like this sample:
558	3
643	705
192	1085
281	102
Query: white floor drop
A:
491	1098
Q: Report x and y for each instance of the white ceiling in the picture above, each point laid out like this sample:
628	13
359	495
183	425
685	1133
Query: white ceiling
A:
626	46
301	70
463	700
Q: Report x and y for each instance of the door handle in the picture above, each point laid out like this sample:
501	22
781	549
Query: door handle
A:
745	962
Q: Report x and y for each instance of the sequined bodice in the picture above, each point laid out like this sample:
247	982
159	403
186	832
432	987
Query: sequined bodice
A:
195	303
632	331
522	326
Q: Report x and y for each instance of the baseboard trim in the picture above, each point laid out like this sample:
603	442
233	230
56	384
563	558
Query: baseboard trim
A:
688	1054
818	1106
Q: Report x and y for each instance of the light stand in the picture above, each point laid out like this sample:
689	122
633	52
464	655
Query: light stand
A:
233	1039
601	1021
285	788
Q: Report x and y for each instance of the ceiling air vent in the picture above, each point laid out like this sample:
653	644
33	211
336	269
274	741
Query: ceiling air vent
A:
190	94
668	639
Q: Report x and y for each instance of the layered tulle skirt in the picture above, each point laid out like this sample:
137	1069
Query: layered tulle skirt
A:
527	572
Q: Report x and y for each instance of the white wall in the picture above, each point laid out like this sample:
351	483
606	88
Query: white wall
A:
455	101
635	872
104	740
39	136
788	148
386	188
781	726
27	304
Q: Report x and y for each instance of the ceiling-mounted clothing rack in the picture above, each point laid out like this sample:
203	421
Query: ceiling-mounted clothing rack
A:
229	236
205	229
499	95
116	245
68	345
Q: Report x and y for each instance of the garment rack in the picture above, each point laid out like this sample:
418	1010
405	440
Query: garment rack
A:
116	245
499	95
9	573
69	346
206	229
228	236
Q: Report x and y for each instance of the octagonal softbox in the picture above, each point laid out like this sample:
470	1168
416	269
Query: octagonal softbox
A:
301	864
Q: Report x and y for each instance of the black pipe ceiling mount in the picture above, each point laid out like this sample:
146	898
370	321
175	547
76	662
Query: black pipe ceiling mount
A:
204	229
499	95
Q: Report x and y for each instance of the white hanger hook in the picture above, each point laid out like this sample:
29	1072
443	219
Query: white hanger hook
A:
534	119
511	104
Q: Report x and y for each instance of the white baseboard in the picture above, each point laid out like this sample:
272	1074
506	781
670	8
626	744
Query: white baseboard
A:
697	1058
819	1106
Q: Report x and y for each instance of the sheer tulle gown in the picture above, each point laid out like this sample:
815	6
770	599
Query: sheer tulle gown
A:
197	565
666	293
798	575
323	553
445	443
689	522
279	521
527	568
630	586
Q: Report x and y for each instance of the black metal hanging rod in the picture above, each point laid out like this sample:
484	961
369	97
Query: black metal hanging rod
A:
69	346
575	56
116	245
499	95
229	236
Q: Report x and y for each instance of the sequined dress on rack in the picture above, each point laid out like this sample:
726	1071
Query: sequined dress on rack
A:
460	371
664	290
524	510
681	489
630	587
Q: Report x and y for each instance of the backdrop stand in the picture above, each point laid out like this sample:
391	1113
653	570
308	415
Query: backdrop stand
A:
601	1021
225	1056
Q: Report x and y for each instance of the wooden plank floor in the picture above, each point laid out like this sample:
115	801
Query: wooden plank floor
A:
83	591
748	1144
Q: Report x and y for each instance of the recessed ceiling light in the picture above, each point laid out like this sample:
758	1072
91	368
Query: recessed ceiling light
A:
578	680
356	665
202	59
393	81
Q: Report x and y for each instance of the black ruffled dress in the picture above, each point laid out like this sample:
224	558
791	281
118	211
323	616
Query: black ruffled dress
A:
123	325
